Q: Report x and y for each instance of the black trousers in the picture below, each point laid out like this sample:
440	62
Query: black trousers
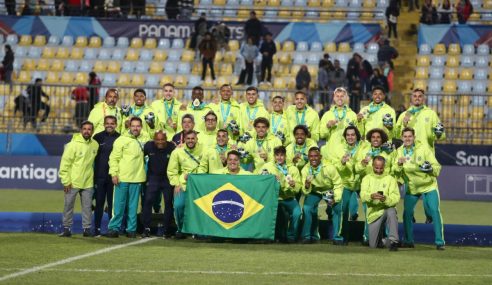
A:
103	193
248	71
158	186
266	65
392	27
207	62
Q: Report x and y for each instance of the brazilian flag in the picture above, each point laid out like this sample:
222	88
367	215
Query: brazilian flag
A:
231	206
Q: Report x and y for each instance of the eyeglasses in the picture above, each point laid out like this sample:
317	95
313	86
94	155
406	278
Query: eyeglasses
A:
211	120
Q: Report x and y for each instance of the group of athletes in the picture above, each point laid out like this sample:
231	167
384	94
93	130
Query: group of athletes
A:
147	151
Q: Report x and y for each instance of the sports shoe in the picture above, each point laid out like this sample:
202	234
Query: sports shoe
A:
440	247
354	217
66	233
407	245
146	233
87	233
393	246
97	232
112	234
428	220
307	241
131	235
179	235
339	243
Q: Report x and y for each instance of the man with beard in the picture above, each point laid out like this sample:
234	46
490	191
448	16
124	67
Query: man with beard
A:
141	110
106	108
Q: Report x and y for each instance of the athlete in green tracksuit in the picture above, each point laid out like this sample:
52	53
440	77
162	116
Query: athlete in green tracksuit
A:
302	114
371	117
233	165
183	161
250	111
141	110
334	122
127	169
227	110
342	156
208	137
319	178
279	124
198	108
103	109
289	211
166	111
297	151
214	159
417	165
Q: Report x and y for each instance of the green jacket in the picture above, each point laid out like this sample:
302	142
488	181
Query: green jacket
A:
225	170
423	122
207	139
198	115
417	181
254	147
163	112
292	149
345	116
226	111
280	123
309	117
211	162
249	114
364	150
100	111
127	158
140	112
181	164
373	120
286	191
326	179
372	184
334	154
77	163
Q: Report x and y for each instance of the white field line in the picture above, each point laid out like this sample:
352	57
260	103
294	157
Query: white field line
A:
71	259
279	273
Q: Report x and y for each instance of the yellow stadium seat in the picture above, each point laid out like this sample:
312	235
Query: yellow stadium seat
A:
114	67
136	43
62	52
39	41
313	71
123	80
478	113
225	69
449	86
25	40
219	2
48	52
95	42
24	76
464	100
420	84
166	79
453	61
52	77
325	15
77	53
156	67
439	49
454	49
81	42
180	81
423	60
28	64
57	65
221	80
314	3
366	15
197	69
344	47
279	83
243	13
160	55
448	100
288	46
330	47
150	43
421	73
489	88
466	74
218	56
99	66
284	58
138	80
132	55
233	45
451	73
327	3
189	56
273	3
43	64
339	15
207	83
81	78
294	70
369	4
487	4
298	14
230	57
66	78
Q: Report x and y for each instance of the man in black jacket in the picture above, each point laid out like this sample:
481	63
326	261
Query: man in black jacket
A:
253	28
103	183
187	124
267	49
158	151
35	92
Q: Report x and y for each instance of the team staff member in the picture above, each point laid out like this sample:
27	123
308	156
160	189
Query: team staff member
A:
187	124
297	151
251	110
77	177
422	119
302	114
166	111
380	193
228	109
261	146
198	108
106	108
289	211
279	122
208	137
127	169
339	117
215	158
183	161
371	117
158	151
141	110
319	178
419	168
104	184
233	165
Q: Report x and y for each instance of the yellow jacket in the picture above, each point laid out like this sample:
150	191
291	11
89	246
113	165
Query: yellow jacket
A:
373	183
182	162
100	111
164	110
127	158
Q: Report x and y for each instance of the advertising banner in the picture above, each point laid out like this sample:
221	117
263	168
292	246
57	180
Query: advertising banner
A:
464	155
30	172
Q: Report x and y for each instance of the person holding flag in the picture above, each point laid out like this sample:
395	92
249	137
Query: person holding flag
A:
214	159
297	151
141	110
260	147
301	114
250	111
228	111
279	122
166	111
198	108
233	166
377	115
103	109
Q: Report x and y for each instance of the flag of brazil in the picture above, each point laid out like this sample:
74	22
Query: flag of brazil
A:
232	206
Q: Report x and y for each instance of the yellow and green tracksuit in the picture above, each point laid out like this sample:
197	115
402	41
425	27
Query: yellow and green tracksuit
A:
373	118
226	111
165	110
208	139
293	149
419	183
141	112
225	170
182	162
126	161
77	163
308	117
422	120
344	116
365	149
280	123
248	115
256	146
325	178
289	211
100	111
373	183
211	162
198	114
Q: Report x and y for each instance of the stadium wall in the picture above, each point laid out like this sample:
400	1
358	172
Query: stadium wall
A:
448	34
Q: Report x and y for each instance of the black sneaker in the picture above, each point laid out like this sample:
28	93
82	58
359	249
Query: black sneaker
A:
87	233
307	241
440	247
339	242
112	234
407	245
354	217
393	246
66	233
131	235
97	232
146	233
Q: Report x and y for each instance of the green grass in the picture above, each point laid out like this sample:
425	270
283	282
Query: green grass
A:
192	262
453	212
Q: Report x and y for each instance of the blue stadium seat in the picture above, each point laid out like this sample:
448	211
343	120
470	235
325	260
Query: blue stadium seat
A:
178	44
432	100
109	79
355	3
438	60
104	53
299	58
183	68
152	81
109	42
466	60
464	86
482	61
142	67
38	74
316	46
313	58
383	3
90	53
71	65
174	55
436	72
19	51
232	3
194	80
34	52
480	87
206	2
425	49
480	74
170	67
341	3
373	48
483	49
287	3
128	67
270	13
358	47
53	40
86	66
118	54
122	42
312	14
435	86
478	100
146	55
18	63
302	46
468	49
67	41
12	39
372	58
163	44
300	3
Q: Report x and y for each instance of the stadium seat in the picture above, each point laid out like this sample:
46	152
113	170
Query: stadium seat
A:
178	43
299	58
435	86
123	80
330	47
71	65
77	53
284	58
81	78
90	53
132	54
67	41
39	41
302	47
174	55
62	52
226	69
453	61
233	45
483	49
34	52
437	60
118	54
436	72
466	74
449	87
468	49
136	43
432	101
86	66
482	61
194	81
128	67
53	40
480	74
451	73
288	46
24	76
373	48
189	56
170	67
146	55
184	68
421	73
142	67
109	42
313	58
66	78
109	79
164	44
95	42
439	49
359	47
478	101
464	86
19	51
81	42
230	57
344	47
424	49
181	81
11	39
152	81
52	77
104	54
454	49
150	43
43	64
28	64
48	52
480	87
138	80
100	66
467	61
57	65
160	55
316	47
114	67
122	42
25	40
